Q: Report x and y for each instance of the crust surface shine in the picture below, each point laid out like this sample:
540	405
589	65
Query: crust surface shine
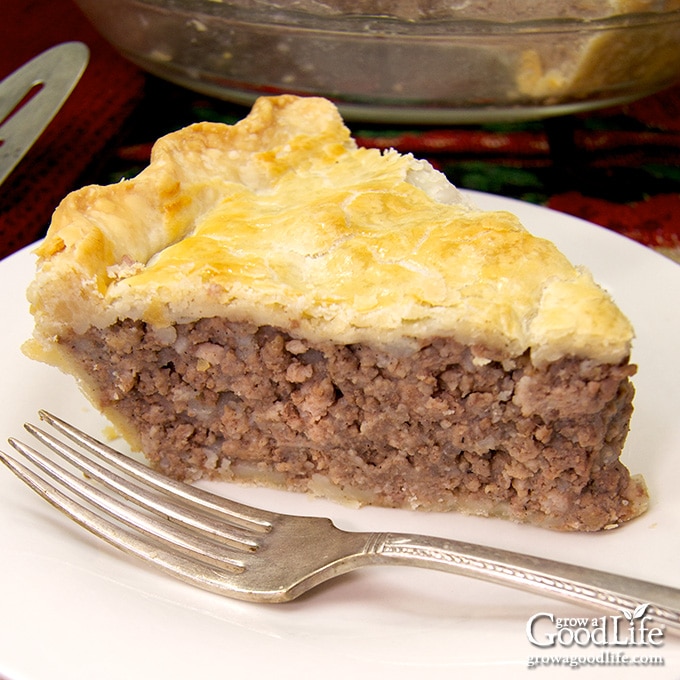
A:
294	245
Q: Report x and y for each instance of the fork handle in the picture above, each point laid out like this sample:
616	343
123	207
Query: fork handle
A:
599	589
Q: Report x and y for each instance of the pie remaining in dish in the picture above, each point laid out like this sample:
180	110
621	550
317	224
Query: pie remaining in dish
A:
268	302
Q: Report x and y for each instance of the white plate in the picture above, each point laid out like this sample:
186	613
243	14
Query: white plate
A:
72	608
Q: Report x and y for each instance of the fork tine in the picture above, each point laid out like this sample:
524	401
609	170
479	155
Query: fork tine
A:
160	503
157	553
177	536
251	518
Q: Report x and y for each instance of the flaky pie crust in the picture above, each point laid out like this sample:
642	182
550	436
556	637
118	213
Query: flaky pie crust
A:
281	219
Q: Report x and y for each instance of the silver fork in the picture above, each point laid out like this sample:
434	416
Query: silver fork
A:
257	555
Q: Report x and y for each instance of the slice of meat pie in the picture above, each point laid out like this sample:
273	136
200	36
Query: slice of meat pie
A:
268	302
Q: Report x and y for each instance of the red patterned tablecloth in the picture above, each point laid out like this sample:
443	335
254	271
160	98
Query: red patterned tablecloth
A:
619	168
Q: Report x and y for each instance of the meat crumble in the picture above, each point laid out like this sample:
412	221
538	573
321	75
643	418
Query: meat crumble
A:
443	427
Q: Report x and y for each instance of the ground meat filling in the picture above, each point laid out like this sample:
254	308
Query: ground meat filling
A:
436	429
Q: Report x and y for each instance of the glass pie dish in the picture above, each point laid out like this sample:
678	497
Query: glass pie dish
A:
420	61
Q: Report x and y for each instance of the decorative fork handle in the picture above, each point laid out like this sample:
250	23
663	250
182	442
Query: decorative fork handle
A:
609	592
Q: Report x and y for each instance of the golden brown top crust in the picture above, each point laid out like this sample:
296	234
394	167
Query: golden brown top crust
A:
282	220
